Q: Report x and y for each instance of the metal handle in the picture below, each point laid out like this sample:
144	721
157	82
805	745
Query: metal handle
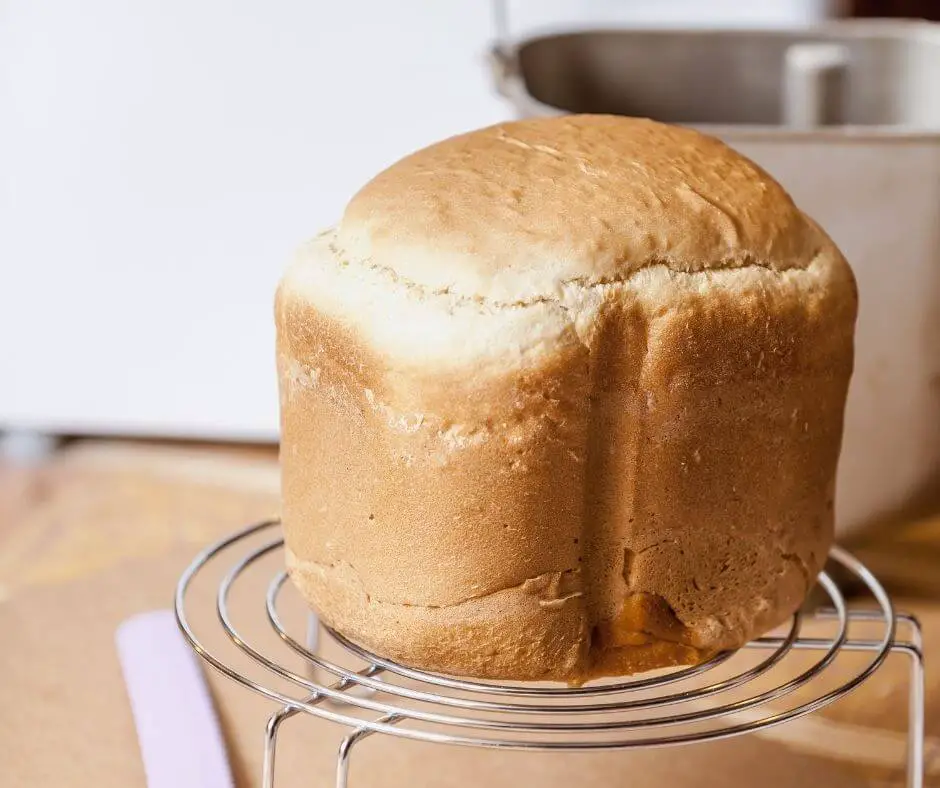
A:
813	84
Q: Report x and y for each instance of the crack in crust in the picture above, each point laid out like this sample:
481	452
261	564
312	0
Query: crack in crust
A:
630	556
800	563
739	262
553	589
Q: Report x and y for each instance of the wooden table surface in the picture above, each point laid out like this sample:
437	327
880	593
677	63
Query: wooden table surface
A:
98	507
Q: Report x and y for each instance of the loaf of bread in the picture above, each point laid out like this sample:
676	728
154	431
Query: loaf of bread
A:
562	398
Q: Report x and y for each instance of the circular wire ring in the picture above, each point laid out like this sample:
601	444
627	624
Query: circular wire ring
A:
550	730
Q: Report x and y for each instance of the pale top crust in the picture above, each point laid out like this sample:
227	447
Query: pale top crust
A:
496	246
511	212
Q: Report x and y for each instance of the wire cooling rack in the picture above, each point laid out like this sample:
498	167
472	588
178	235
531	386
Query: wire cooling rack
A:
761	686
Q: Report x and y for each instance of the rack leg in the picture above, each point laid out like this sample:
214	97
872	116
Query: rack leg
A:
285	713
345	749
915	725
270	738
917	634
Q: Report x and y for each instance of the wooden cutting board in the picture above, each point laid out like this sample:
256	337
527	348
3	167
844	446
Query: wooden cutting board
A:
102	532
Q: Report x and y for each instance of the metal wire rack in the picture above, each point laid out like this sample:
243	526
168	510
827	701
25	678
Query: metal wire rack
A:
758	687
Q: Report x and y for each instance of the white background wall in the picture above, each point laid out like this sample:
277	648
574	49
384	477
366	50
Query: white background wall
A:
160	159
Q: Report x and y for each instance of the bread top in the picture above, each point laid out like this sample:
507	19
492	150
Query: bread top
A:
495	246
508	212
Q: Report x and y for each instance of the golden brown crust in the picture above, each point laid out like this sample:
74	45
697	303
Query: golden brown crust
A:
590	465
